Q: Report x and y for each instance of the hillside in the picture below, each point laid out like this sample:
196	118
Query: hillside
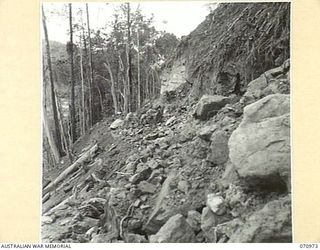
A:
208	161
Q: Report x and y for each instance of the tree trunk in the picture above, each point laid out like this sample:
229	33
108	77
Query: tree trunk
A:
64	133
128	54
90	69
147	88
113	90
73	110
51	141
52	89
138	63
82	114
70	169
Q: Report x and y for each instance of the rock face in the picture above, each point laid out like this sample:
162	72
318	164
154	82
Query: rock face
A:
225	63
260	146
172	79
209	105
270	224
176	230
274	81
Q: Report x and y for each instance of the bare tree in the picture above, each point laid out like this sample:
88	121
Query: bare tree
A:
127	93
72	104
113	89
138	63
57	137
90	68
83	113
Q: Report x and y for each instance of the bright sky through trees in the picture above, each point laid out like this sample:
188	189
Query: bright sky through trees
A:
179	18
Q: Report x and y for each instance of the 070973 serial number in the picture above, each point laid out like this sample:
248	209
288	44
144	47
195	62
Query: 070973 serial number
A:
308	245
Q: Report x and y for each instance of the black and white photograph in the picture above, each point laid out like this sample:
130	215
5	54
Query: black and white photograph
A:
166	122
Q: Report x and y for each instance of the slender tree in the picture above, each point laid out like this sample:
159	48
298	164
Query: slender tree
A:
72	104
138	64
113	87
57	137
83	113
90	68
128	55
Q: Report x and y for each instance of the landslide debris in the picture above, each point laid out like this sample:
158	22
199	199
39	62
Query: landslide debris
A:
212	169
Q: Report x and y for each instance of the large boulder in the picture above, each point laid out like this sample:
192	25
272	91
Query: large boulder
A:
176	230
209	105
260	147
270	224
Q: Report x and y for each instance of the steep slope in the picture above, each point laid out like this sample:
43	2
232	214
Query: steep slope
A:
234	45
213	170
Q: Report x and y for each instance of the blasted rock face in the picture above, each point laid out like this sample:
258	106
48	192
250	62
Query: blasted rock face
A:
273	81
260	147
209	105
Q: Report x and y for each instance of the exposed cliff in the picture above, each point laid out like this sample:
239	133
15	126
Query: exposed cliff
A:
234	45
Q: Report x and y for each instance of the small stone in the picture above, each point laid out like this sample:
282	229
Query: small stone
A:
170	121
216	204
154	164
145	206
137	203
152	136
144	197
147	187
116	124
104	238
143	175
83	226
194	220
130	167
47	220
135	238
205	132
157	180
183	186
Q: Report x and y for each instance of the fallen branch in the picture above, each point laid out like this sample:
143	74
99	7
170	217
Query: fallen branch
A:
46	198
70	169
49	211
126	217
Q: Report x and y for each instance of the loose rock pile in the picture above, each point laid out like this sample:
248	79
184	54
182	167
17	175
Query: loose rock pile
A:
217	171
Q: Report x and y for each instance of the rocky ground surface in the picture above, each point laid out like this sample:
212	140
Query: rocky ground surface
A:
214	170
